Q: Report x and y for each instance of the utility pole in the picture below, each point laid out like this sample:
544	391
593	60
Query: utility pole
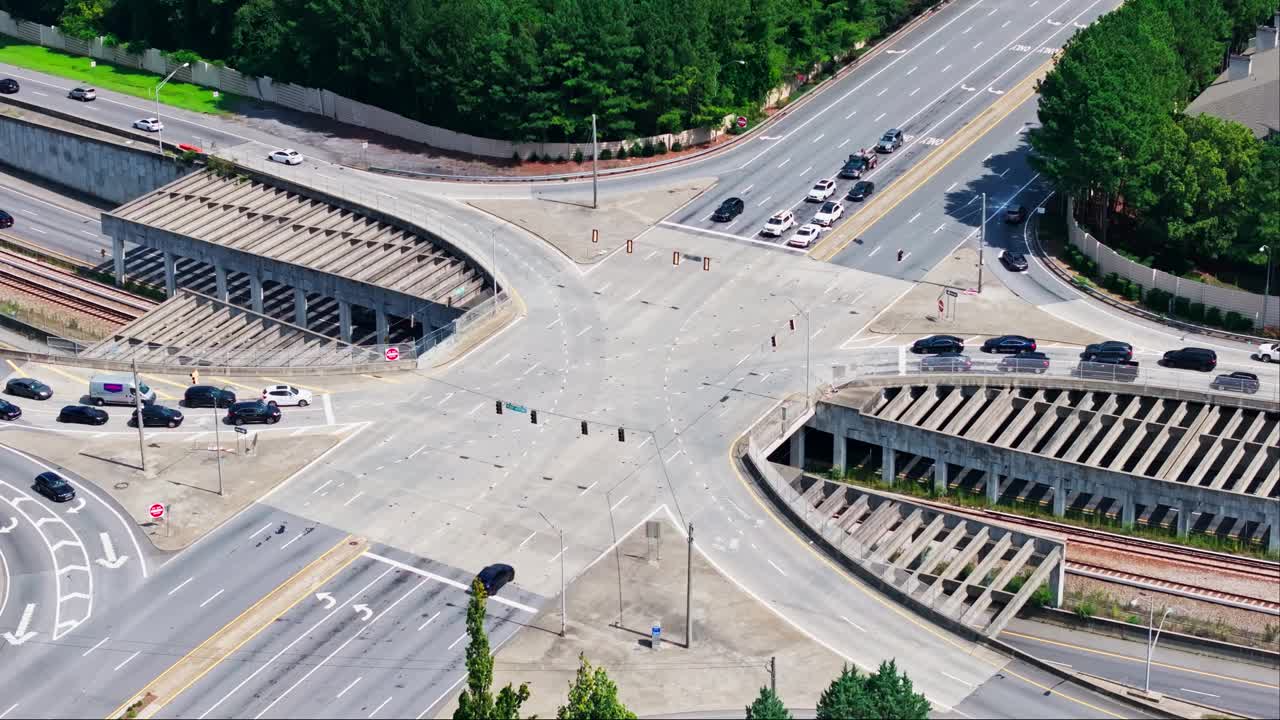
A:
773	674
217	441
493	236
137	407
688	595
982	239
1267	291
617	557
563	613
807	371
595	156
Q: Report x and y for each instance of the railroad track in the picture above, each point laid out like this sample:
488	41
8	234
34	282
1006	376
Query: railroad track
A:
1197	592
66	289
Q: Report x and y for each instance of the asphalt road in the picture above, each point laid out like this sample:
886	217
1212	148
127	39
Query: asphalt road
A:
44	217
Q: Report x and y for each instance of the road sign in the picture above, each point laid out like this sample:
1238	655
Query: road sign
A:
156	511
952	293
516	408
241	430
941	306
742	121
392	353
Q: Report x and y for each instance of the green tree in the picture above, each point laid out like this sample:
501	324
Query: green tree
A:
767	706
887	693
593	696
476	702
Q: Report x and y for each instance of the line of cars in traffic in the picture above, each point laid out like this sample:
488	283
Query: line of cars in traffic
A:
1108	360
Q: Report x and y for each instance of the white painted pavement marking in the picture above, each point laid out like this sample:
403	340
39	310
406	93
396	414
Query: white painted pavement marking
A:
633	295
295	539
353	498
913	92
353	684
856	625
873	252
261	529
759	204
555	322
11	707
588	488
328	408
938	229
646	441
882	91
322	486
95	647
428	622
775	567
913	218
473	410
784	162
819	137
1006	24
1197	692
126	661
526	540
1054	662
747	189
975	47
380	706
615	505
953	677
213	597
816	334
415	452
806	170
880	116
504	357
952	186
454	644
445	580
584	330
846	142
445	399
557	555
651	254
531	368
181	585
946	68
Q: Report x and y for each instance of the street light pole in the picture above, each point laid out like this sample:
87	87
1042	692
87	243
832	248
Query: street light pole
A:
160	132
137	409
595	157
563	616
1267	292
1151	639
982	240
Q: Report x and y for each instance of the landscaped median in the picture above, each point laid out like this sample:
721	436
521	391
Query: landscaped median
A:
105	76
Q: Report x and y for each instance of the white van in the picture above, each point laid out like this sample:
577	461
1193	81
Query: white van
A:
117	390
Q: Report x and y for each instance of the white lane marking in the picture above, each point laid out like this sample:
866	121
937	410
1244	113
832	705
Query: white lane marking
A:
380	706
473	410
856	625
873	252
759	204
913	218
655	252
353	684
126	661
531	368
966	30
946	68
633	295
504	357
181	585
913	69
939	50
323	485
42	232
880	116
584	330
674	455
353	498
8	710
939	229
213	597
615	505
526	540
784	162
328	409
806	170
1197	692
1054	662
1006	24
414	454
747	189
95	647
762	379
775	567
913	92
557	556
261	529
819	137
846	142
445	399
447	581
744	359
952	186
295	539
588	488
816	334
454	644
555	322
975	47
905	256
953	677
428	622
646	441
882	91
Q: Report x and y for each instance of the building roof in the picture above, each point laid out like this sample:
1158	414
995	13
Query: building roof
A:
1253	101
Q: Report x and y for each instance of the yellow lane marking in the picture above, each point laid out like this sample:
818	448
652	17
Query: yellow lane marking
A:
256	390
154	379
17	370
382	379
1142	660
65	374
274	381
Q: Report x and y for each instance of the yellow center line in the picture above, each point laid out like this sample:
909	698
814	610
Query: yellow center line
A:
297	384
1142	660
65	374
154	379
242	386
17	370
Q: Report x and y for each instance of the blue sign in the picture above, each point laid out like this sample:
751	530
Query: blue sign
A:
657	632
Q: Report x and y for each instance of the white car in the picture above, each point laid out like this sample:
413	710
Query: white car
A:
288	157
1268	352
286	395
779	224
830	212
822	190
805	236
149	124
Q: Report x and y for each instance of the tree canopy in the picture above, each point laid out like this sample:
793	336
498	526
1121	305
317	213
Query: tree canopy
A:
887	693
476	701
767	706
593	696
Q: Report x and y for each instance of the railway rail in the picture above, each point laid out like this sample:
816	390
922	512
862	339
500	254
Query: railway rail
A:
66	289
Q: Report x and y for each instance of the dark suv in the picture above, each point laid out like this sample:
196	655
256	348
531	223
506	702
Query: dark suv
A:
946	362
208	396
1015	214
52	486
253	411
938	344
856	165
890	141
8	86
1110	348
728	210
156	414
495	576
1236	382
1028	362
1191	358
1108	368
6	220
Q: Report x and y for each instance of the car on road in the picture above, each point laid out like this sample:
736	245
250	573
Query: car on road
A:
1191	358
28	388
253	411
154	414
1268	352
1015	214
208	396
861	190
495	576
83	94
821	190
1015	262
1244	382
83	415
830	212
805	236
118	390
149	124
857	164
938	344
779	224
1028	362
286	395
728	210
1009	344
53	486
1108	368
287	157
1107	348
6	220
890	141
946	362
8	86
9	411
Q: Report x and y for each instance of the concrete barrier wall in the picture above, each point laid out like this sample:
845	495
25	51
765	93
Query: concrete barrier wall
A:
108	171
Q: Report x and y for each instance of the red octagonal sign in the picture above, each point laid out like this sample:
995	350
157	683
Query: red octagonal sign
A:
392	354
156	510
742	121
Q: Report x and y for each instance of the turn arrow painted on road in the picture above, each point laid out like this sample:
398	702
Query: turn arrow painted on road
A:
22	635
110	560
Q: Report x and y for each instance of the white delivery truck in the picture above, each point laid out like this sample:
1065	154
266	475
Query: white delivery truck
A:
117	390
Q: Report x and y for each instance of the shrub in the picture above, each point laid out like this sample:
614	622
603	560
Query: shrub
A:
1112	283
1042	597
1086	610
1196	312
660	148
606	154
1235	322
1213	316
622	152
546	157
1157	300
1082	281
178	57
677	146
1182	307
560	158
533	156
515	157
1133	291
647	150
577	156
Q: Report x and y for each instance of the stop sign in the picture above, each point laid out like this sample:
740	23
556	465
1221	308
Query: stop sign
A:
156	510
392	353
742	121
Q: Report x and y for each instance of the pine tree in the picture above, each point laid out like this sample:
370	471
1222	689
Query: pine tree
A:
767	707
476	701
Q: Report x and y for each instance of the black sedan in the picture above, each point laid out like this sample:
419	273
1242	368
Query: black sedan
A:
154	414
946	362
6	220
728	210
253	411
938	344
9	411
82	414
1236	382
1107	348
861	190
1009	344
495	576
8	86
28	388
1015	262
1028	362
52	486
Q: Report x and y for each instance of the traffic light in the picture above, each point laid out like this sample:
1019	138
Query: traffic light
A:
792	324
584	427
899	256
622	435
773	340
533	416
497	406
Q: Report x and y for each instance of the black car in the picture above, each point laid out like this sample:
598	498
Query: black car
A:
890	141
9	411
861	190
1236	382
1191	358
1108	348
156	414
946	362
253	411
1108	368
28	388
935	344
208	396
6	220
854	167
1028	362
1009	344
1015	262
8	86
495	576
728	210
1015	214
82	414
52	486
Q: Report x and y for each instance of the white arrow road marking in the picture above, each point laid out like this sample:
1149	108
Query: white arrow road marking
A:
364	610
13	523
63	543
77	507
43	520
109	550
895	52
73	596
69	568
327	599
22	635
68	624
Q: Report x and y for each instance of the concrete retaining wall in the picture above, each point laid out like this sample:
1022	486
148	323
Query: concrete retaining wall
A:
18	356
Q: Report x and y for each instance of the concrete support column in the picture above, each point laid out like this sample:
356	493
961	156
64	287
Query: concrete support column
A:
299	307
797	449
1127	511
888	464
940	476
1273	537
170	274
255	292
380	317
220	275
993	484
1059	497
1184	518
117	258
839	451
344	320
